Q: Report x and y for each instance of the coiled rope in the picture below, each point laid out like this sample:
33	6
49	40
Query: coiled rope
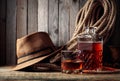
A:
95	13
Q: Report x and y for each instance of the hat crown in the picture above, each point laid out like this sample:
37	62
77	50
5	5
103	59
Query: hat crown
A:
32	43
32	49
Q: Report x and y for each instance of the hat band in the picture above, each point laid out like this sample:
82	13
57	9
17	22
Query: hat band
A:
34	55
35	52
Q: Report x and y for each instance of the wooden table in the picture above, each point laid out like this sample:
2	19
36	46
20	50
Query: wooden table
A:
6	75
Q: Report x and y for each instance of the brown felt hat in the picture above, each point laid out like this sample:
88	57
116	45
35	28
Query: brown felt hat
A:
32	49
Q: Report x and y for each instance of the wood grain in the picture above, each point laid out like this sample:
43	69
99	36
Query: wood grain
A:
57	17
32	16
74	8
64	21
2	32
43	15
53	21
6	75
21	18
11	33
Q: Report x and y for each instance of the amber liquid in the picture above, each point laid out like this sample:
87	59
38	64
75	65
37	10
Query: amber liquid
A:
92	55
71	65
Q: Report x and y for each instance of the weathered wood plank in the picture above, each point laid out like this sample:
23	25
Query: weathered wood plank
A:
53	21
2	31
74	8
82	2
64	21
11	32
32	16
21	18
6	75
43	15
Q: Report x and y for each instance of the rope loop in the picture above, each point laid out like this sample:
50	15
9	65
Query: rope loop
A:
95	13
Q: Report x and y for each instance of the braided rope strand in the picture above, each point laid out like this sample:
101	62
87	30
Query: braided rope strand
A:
90	15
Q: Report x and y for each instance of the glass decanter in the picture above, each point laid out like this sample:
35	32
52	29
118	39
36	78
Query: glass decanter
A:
90	46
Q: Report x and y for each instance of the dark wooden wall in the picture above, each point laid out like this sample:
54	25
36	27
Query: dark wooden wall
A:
57	17
2	31
7	32
21	17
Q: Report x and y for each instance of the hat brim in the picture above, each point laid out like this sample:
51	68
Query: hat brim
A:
30	62
32	59
36	60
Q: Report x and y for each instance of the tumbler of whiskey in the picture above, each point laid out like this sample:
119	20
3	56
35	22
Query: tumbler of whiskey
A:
91	46
70	63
